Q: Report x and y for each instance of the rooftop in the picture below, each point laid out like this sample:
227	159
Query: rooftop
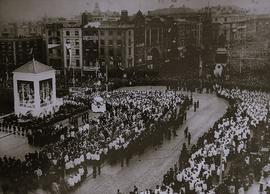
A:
33	67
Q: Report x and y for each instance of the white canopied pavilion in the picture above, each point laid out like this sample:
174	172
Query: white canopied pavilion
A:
34	89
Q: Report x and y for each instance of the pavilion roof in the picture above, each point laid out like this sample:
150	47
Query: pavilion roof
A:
34	67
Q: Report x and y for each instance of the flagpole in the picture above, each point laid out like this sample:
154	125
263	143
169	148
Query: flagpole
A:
106	77
73	80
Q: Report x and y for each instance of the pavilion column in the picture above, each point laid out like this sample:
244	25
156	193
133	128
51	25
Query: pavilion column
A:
37	95
16	94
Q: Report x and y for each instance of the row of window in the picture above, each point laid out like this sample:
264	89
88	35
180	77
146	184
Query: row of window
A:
118	51
53	33
110	42
68	33
77	63
111	32
216	19
77	52
77	42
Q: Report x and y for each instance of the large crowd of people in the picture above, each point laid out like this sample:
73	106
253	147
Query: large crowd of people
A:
226	158
133	120
44	130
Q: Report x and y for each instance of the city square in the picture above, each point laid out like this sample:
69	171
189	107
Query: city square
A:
158	97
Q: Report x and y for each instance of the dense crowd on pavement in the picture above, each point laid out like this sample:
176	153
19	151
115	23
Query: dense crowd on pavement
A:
133	120
42	131
226	159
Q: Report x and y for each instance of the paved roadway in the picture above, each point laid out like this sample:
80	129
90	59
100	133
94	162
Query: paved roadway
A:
14	145
147	170
255	188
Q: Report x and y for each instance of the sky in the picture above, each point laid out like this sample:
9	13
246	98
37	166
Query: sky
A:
12	10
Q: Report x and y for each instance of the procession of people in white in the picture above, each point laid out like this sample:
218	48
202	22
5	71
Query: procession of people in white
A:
131	116
230	136
117	128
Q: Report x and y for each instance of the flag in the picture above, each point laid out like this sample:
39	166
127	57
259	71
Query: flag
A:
31	51
68	46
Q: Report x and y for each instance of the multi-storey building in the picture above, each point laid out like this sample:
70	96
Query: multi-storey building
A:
8	30
15	52
24	29
116	44
153	37
90	47
72	51
189	33
30	29
262	24
185	34
54	45
98	16
232	28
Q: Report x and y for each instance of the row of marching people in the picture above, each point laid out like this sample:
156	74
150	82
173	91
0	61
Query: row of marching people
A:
6	128
200	169
134	118
76	177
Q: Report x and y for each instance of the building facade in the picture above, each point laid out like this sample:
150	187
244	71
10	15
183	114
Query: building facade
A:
98	16
72	52
189	33
90	47
15	52
54	46
8	30
116	44
153	36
